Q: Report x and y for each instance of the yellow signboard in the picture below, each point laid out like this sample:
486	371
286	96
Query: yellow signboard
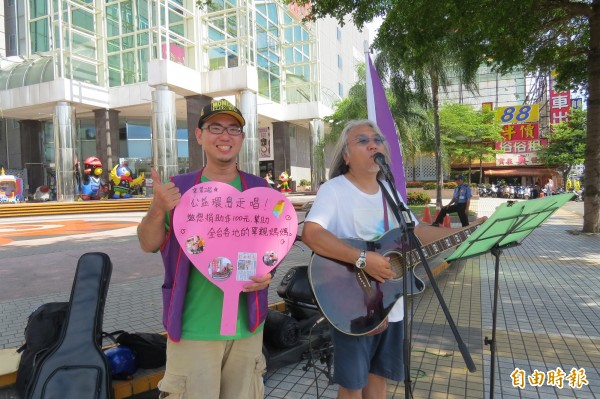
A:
518	114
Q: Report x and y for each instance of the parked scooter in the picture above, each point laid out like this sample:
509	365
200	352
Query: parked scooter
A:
301	332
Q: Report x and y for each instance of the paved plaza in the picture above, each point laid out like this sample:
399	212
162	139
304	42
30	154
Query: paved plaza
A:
548	316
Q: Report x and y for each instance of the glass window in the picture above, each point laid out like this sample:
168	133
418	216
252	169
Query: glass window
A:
127	42
263	83
144	56
113	45
84	45
143	39
129	69
40	38
136	132
216	58
39	8
139	148
85	72
83	19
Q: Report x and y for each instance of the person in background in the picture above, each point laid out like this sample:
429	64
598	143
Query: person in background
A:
201	363
461	199
550	187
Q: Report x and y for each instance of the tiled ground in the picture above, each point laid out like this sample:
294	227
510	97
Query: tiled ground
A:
548	317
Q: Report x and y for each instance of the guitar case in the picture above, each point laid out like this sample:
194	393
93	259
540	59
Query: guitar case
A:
76	367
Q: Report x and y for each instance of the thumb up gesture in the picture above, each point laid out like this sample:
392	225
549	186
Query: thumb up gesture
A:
166	196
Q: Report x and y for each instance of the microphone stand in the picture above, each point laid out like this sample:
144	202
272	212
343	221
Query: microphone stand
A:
402	214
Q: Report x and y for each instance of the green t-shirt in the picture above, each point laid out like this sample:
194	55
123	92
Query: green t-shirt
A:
204	303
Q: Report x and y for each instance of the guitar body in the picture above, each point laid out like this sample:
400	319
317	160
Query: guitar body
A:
76	367
356	304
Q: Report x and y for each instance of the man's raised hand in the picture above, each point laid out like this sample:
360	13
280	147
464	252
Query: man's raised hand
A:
166	196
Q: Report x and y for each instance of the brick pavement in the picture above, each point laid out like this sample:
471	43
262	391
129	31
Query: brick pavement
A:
548	314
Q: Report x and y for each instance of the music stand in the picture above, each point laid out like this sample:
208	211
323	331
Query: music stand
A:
510	224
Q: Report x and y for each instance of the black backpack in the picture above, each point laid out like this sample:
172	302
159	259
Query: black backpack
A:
150	348
44	326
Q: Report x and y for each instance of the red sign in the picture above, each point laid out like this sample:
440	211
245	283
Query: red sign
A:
560	104
523	131
521	146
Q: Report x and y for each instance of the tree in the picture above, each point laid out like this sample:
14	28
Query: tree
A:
469	134
411	120
534	35
566	144
429	69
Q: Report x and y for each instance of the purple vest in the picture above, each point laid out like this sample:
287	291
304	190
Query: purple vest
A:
177	267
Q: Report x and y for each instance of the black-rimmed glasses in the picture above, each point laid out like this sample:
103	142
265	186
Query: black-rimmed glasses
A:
218	129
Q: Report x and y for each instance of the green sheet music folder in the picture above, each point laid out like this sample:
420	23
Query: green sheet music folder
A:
509	225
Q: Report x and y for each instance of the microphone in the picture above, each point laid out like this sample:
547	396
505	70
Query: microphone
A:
379	159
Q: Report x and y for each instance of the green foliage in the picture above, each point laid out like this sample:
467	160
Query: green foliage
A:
566	147
468	134
450	185
418	198
430	185
304	182
414	184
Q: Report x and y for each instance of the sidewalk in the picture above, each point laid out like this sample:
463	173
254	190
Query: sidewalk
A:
548	313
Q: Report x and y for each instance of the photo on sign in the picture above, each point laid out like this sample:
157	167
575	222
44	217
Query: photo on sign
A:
270	258
220	268
195	245
246	266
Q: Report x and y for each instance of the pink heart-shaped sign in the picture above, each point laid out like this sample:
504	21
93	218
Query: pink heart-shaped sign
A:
231	235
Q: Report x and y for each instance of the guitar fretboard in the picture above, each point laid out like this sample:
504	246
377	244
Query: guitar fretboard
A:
431	250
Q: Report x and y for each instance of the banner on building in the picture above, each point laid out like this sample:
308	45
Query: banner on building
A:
521	159
560	104
521	131
266	142
518	114
521	146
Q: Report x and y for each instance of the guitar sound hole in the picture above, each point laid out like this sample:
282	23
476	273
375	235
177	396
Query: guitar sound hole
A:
397	263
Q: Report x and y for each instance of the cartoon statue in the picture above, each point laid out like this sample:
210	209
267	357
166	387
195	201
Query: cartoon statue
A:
11	188
285	182
92	186
122	181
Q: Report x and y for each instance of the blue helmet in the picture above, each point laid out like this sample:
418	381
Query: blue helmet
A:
122	360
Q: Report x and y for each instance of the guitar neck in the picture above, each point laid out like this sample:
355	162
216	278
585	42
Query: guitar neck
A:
436	247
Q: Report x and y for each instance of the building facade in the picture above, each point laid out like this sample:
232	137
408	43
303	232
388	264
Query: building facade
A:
124	80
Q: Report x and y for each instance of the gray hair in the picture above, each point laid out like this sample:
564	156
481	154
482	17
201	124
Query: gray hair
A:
338	164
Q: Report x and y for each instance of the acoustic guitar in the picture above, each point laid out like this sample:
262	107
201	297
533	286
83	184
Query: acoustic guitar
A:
355	303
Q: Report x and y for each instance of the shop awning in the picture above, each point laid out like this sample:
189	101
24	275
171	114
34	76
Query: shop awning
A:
519	172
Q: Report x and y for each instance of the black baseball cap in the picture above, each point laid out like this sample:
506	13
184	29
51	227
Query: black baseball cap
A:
459	177
220	107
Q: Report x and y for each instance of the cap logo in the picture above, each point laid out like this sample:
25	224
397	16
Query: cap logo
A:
222	105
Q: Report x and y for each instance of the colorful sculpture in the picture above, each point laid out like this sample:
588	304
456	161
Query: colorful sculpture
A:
123	182
93	187
285	182
11	188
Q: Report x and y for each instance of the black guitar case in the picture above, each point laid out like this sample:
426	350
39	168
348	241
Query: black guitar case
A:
76	367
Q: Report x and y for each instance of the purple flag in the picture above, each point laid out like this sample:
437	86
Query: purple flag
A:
379	112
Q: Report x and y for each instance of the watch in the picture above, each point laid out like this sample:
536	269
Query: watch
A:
361	262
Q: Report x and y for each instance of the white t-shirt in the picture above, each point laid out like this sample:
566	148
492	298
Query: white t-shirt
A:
344	210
